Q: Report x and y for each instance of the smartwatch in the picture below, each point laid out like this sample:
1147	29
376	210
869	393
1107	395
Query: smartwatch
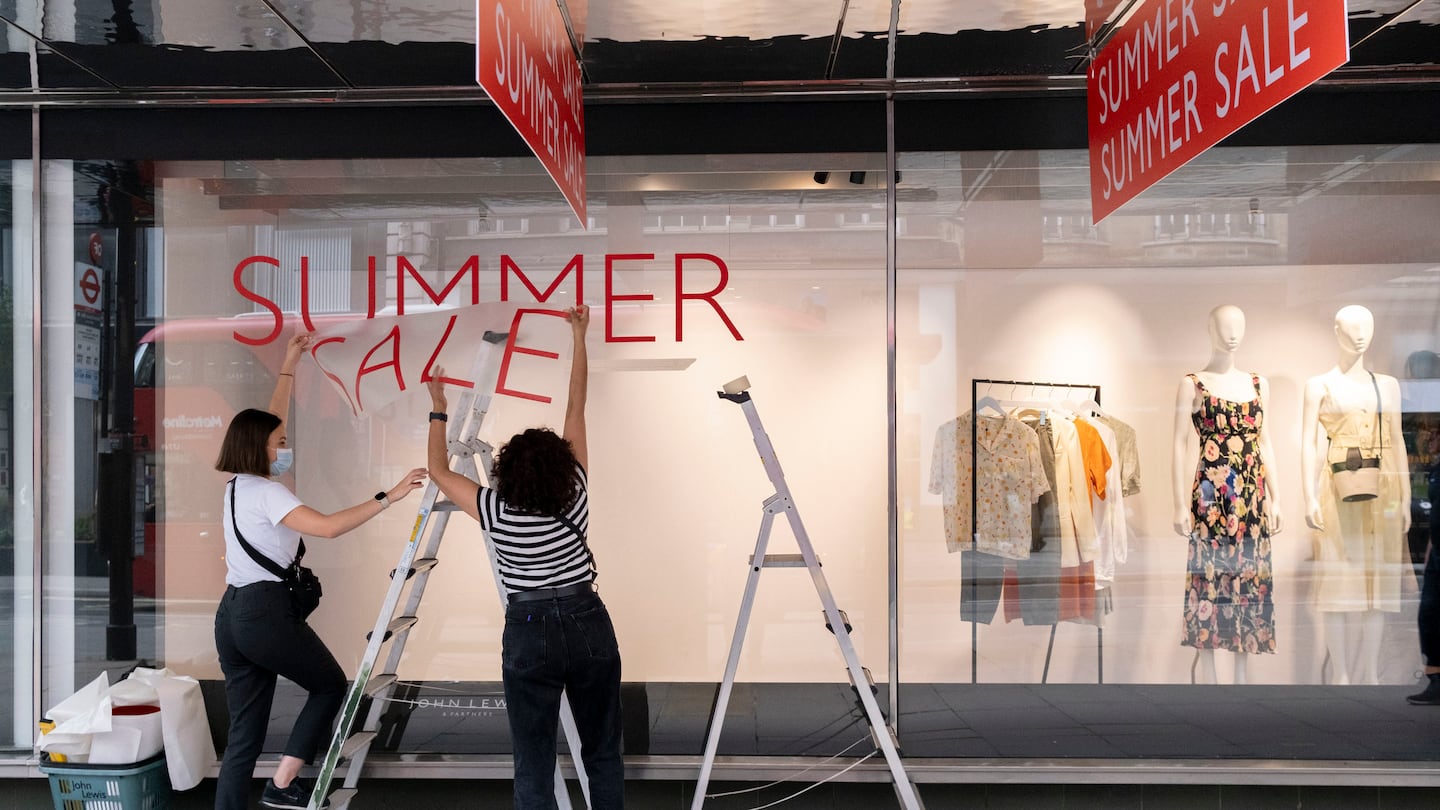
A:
439	416
383	499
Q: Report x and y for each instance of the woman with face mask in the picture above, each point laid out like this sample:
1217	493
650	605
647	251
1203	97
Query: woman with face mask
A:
259	635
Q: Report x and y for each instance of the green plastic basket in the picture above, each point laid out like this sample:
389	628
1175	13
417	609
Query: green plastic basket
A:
142	786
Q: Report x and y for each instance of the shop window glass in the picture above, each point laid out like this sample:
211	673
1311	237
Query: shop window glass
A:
677	487
1006	288
100	606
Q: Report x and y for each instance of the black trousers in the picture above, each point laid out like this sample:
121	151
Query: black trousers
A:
1429	613
259	637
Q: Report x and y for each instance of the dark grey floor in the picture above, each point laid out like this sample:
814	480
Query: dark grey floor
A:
966	721
1372	723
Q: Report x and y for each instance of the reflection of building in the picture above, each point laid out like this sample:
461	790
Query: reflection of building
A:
1212	237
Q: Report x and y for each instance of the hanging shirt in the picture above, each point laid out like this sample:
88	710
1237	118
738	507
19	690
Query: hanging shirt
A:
1127	450
1112	533
1096	456
1010	479
1078	542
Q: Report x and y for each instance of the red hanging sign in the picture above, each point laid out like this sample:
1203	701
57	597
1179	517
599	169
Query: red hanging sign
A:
1181	75
524	61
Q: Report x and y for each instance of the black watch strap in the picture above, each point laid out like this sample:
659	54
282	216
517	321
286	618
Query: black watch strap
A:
439	416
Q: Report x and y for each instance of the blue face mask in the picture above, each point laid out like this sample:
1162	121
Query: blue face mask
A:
284	459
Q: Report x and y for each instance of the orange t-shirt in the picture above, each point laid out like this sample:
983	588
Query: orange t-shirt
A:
1097	458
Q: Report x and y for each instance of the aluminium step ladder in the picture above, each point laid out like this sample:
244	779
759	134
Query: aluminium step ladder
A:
345	758
881	732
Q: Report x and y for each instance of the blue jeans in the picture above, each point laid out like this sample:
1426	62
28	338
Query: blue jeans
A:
563	644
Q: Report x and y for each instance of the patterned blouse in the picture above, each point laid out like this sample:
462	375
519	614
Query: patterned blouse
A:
1010	480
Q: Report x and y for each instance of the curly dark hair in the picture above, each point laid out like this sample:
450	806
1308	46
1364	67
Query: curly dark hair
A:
536	471
246	440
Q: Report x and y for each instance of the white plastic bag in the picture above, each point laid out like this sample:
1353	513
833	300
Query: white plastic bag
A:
189	751
87	730
77	718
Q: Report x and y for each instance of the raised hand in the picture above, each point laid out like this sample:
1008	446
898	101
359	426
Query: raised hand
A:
436	384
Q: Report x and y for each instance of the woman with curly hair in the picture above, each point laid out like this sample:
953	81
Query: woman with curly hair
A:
558	636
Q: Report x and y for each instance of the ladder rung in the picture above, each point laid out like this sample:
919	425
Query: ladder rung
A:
844	619
418	566
379	683
340	799
869	679
357	741
445	506
397	625
894	740
782	561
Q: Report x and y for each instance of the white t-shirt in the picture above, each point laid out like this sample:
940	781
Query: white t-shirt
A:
260	505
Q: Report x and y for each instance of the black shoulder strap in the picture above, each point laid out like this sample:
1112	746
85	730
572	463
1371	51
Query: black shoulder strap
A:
263	561
570	524
1379	414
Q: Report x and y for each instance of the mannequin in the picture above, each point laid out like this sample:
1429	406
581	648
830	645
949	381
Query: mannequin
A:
1362	549
1224	504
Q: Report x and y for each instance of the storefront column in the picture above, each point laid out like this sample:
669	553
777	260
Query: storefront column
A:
25	343
57	384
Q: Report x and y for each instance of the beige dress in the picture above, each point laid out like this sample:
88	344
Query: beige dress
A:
1361	549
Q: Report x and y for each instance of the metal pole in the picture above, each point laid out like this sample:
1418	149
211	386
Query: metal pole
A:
892	233
37	481
971	577
117	461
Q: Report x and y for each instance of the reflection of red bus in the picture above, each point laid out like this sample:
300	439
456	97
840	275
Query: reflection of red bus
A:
191	377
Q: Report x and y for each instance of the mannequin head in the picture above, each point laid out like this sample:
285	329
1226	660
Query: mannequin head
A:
1227	327
1354	328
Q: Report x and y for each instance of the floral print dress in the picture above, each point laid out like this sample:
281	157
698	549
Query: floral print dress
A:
1228	604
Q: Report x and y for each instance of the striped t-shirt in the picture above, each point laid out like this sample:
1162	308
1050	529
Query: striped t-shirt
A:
537	551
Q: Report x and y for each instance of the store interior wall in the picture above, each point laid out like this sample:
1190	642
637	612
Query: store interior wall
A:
1040	314
676	485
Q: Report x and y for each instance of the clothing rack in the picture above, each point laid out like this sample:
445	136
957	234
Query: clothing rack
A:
973	582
